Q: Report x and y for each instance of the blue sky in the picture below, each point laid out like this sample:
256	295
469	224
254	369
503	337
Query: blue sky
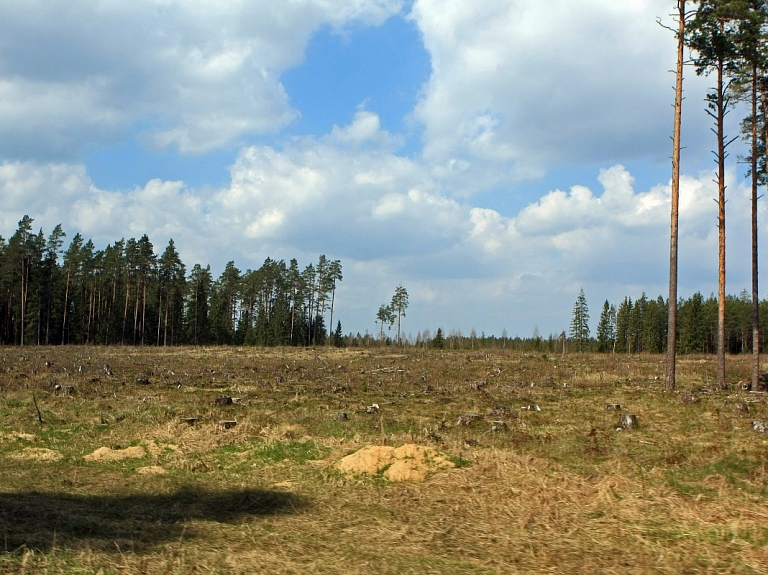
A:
494	157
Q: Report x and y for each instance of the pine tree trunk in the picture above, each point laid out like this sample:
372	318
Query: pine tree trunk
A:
675	201
23	299
66	305
721	225
755	294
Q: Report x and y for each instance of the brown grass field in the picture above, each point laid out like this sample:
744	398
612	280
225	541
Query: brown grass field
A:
110	477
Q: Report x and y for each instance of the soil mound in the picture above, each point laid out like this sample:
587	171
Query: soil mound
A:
408	462
107	454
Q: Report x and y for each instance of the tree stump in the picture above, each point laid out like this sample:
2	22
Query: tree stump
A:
468	419
498	426
628	421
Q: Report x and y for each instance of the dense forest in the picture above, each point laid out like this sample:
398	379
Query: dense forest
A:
127	294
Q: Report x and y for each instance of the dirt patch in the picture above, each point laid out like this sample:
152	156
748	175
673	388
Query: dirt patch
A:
408	462
16	436
38	454
107	454
151	470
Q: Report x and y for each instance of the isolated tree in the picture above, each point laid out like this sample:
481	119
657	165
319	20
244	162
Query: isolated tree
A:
399	305
338	336
714	39
385	315
579	330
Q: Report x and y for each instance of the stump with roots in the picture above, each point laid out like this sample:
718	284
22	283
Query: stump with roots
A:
628	421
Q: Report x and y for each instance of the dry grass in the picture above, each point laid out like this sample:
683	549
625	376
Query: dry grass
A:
559	490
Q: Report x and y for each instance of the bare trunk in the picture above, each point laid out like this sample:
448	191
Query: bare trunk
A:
330	326
675	201
165	326
755	294
143	309
127	299
720	104
159	318
23	298
66	305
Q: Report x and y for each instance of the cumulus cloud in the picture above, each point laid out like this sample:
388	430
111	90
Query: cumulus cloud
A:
193	75
535	83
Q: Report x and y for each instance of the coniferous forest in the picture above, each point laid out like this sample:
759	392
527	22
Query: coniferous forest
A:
128	294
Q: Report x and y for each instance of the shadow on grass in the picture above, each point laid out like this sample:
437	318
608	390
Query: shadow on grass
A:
42	521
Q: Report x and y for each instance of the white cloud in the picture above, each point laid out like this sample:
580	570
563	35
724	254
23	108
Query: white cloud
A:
538	83
195	75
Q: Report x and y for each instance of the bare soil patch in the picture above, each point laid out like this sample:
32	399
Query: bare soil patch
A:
408	462
108	454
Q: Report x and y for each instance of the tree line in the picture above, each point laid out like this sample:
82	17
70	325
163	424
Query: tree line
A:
640	325
127	294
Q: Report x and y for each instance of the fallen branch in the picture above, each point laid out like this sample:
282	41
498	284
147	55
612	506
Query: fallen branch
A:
39	415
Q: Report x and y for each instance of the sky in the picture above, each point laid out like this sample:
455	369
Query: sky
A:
494	157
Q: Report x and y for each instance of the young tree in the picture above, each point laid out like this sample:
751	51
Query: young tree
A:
579	330
439	341
338	336
606	328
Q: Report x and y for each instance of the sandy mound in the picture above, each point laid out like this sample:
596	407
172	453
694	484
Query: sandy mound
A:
107	454
406	463
151	470
16	435
38	454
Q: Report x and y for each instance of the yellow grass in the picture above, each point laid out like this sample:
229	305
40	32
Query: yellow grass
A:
561	490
